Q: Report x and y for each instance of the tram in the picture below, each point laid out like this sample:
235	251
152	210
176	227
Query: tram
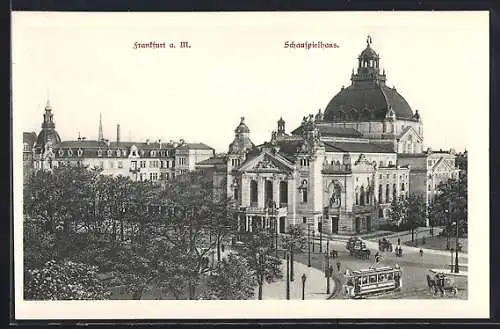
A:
371	281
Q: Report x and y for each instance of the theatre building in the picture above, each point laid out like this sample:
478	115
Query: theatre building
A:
338	171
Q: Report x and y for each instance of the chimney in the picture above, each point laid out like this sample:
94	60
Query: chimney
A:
159	142
118	134
147	141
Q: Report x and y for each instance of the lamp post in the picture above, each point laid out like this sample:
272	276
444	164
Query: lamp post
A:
451	264
448	219
309	244
304	277
320	236
287	275
456	249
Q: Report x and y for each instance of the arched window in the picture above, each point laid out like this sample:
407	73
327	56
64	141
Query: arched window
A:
387	193
402	187
269	191
253	191
109	153
283	192
362	196
235	193
356	197
380	193
381	213
394	192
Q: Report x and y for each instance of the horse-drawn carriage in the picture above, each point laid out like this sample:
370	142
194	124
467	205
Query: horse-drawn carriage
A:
441	283
357	248
372	281
384	245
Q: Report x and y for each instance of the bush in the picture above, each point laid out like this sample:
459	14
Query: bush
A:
63	281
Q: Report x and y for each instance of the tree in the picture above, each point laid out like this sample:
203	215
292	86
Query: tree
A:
64	280
408	212
450	203
258	250
231	280
415	213
191	214
397	210
295	241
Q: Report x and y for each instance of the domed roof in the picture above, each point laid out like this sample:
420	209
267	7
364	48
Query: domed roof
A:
368	53
45	136
242	127
367	102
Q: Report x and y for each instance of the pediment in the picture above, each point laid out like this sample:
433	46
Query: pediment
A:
442	166
409	132
362	164
266	162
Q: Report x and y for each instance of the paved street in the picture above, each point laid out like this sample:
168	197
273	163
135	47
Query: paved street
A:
315	287
414	266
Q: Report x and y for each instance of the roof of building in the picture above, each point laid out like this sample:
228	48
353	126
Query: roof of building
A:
194	146
46	135
367	102
29	138
242	127
357	147
213	161
328	130
95	144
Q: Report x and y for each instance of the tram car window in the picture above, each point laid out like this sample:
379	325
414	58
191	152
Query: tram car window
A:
373	279
364	280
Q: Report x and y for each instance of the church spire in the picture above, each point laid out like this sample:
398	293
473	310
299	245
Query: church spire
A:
101	136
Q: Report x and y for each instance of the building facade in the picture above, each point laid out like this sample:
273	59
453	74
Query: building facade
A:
340	170
155	161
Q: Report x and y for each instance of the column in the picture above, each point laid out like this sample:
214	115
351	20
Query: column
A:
276	191
260	192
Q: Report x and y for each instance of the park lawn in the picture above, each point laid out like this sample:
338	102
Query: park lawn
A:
439	243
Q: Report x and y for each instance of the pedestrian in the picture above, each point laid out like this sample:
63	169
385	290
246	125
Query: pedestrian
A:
338	266
399	241
421	252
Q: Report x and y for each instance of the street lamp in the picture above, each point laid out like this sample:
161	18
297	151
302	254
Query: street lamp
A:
456	249
287	275
320	236
304	277
448	219
309	244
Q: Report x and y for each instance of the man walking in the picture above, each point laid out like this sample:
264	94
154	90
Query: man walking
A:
338	266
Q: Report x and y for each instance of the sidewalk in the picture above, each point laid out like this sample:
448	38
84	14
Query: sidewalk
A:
372	243
315	287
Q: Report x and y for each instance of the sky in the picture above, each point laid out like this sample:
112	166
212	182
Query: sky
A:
238	66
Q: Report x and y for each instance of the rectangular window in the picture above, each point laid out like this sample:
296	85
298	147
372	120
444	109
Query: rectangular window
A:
168	163
150	176
168	176
373	279
134	165
304	220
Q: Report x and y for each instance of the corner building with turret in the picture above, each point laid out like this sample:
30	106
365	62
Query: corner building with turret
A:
339	171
